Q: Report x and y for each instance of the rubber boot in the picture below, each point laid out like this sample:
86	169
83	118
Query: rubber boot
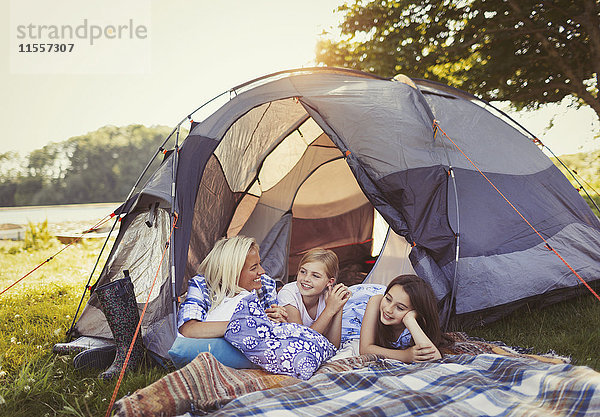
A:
117	300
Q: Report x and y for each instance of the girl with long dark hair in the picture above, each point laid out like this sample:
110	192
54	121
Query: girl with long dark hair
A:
402	323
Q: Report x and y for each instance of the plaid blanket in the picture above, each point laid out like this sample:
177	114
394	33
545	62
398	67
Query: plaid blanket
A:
205	384
459	385
498	381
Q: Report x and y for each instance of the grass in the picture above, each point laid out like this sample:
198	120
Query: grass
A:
570	328
36	313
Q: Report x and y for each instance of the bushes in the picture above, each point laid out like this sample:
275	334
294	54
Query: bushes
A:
37	236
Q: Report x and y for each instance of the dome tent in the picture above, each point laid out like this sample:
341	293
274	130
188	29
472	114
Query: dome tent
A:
310	157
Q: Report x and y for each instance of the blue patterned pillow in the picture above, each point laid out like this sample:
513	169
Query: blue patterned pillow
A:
280	348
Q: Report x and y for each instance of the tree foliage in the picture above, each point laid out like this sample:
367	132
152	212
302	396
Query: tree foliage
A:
100	166
525	51
586	167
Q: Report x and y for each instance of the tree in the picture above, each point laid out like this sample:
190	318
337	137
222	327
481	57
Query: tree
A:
100	166
525	51
103	165
10	175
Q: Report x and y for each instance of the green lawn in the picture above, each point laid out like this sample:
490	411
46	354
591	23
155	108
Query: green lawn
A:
570	328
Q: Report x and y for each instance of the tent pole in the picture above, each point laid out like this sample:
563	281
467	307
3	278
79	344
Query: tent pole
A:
161	147
457	233
454	281
172	243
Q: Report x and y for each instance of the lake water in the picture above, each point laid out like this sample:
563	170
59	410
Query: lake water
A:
76	213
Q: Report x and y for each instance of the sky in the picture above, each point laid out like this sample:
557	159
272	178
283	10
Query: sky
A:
189	52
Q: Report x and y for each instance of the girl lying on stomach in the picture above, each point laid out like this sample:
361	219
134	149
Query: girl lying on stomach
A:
399	322
403	323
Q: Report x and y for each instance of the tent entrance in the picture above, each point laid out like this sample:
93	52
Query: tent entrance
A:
303	195
331	211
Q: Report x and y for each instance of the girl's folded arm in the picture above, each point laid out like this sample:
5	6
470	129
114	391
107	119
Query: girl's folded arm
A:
329	322
404	355
419	337
330	326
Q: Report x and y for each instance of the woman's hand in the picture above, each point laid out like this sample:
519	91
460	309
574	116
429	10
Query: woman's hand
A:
277	314
337	297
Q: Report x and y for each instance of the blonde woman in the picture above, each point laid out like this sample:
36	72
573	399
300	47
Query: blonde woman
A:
229	272
314	299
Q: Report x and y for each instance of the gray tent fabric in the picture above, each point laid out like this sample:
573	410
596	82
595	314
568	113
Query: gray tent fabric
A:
306	157
274	249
